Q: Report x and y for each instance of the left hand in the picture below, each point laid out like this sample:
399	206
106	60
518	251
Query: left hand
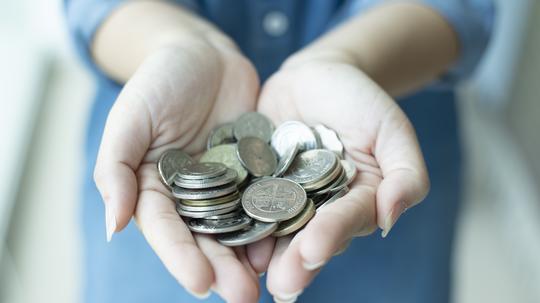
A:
377	137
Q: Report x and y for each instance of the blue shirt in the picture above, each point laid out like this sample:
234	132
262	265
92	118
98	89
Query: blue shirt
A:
411	265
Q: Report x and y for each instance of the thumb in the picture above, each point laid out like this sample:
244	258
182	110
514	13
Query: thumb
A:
125	140
405	179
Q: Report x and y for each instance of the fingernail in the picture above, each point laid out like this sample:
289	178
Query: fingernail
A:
278	300
200	296
287	298
110	221
313	266
392	217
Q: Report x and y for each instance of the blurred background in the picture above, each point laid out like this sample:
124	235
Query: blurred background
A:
45	95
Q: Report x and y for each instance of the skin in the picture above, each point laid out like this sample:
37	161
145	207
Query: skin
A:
183	77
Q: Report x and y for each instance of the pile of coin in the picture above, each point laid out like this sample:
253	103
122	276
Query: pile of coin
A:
255	181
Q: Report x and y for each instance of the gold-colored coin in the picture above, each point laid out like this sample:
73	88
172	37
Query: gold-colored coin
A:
294	224
226	154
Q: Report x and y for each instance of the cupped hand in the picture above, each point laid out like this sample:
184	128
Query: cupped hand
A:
174	99
377	137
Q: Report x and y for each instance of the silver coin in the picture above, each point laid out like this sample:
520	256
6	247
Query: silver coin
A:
329	184
228	177
333	197
226	154
256	231
256	156
286	160
202	194
329	140
274	200
253	125
293	132
203	214
170	163
232	214
209	207
350	174
311	166
202	170
223	134
204	226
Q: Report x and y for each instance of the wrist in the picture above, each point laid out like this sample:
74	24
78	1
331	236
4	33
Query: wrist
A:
138	29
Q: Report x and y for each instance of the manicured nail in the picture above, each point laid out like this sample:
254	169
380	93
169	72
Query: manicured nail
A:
392	218
110	221
313	266
200	296
287	298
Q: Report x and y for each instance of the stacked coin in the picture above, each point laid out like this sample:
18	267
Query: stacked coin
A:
254	181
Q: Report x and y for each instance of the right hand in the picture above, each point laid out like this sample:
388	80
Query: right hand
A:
173	100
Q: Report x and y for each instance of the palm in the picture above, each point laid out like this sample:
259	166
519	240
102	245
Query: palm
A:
377	137
174	99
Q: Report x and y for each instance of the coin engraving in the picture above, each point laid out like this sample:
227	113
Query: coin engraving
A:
170	163
273	200
311	166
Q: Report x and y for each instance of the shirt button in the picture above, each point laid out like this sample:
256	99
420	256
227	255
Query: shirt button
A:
275	23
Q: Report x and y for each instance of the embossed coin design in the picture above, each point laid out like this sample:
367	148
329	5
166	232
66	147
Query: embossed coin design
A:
170	163
256	156
293	132
227	155
256	231
222	134
253	125
202	170
311	166
274	200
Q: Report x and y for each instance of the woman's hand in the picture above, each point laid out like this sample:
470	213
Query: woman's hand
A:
176	96
377	137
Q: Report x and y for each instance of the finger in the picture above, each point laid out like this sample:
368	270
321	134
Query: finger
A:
405	178
325	235
259	254
125	140
279	288
169	237
241	255
233	282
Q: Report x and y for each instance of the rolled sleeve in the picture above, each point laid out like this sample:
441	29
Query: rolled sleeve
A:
472	20
85	16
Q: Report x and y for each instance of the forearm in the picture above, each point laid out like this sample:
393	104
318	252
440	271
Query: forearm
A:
138	28
402	46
